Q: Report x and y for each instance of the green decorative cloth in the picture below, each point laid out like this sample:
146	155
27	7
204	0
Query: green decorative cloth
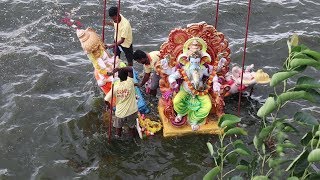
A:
196	107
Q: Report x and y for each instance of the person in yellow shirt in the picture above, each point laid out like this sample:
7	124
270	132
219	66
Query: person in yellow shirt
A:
124	39
148	60
126	103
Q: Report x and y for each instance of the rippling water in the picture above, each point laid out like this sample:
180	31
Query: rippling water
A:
51	120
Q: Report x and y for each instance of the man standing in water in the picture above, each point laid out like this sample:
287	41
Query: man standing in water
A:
126	103
148	60
124	39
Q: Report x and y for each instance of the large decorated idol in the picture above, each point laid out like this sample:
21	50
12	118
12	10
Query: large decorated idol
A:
192	98
193	65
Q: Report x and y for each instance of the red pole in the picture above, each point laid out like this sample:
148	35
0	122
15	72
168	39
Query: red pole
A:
104	18
217	14
114	65
244	55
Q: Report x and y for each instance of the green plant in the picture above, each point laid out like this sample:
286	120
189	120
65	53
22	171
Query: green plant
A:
270	158
226	152
306	88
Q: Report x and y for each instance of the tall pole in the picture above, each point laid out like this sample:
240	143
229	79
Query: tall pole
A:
244	55
114	66
104	18
217	14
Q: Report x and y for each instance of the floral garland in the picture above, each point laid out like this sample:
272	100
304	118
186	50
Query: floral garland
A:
192	89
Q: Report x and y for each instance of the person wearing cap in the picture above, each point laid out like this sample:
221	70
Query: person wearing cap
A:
124	38
149	61
126	103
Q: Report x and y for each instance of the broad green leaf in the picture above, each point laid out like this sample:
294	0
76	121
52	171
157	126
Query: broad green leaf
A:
277	162
306	139
306	82
313	142
313	54
302	62
232	158
289	128
302	156
228	117
294	95
279	149
210	147
293	178
302	47
212	173
300	68
305	118
237	131
263	148
260	178
228	123
236	178
315	96
278	123
281	76
242	152
314	155
268	107
256	142
242	167
238	144
265	132
287	144
299	55
296	49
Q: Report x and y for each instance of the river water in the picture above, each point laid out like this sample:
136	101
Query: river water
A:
51	116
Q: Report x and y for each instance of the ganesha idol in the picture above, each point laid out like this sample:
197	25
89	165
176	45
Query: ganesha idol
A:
193	67
104	64
249	79
101	60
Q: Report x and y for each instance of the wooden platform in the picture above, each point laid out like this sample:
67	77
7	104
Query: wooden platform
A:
211	127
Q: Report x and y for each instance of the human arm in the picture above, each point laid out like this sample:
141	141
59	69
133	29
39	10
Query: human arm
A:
115	44
109	23
129	69
145	78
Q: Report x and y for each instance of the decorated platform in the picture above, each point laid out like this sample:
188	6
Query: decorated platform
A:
211	127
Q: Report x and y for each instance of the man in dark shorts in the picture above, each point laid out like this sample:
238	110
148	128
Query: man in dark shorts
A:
124	40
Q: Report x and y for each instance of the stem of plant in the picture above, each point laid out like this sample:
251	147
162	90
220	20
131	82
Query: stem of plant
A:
269	172
229	172
304	176
263	163
221	156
